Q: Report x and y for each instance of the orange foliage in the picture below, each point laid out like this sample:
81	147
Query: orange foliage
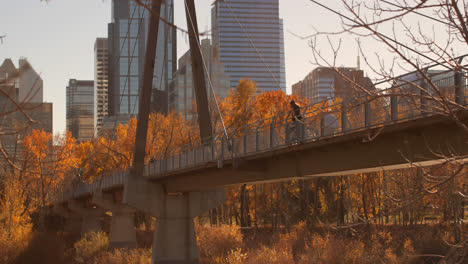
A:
270	104
46	164
237	106
114	151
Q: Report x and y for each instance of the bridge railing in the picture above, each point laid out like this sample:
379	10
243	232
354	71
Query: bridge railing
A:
406	99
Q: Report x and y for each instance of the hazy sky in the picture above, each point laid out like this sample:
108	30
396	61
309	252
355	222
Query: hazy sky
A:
58	38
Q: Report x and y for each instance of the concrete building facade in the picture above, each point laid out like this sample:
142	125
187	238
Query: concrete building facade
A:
127	35
80	109
21	86
30	84
26	80
250	38
324	82
101	82
181	90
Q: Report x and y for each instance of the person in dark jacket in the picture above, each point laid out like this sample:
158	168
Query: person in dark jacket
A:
296	110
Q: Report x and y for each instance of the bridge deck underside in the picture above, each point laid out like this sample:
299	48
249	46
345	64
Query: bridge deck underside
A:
425	142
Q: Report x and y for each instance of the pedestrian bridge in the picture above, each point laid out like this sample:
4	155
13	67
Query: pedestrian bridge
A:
393	128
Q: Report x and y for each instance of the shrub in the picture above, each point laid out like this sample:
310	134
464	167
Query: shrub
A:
266	255
123	256
293	241
215	243
90	245
11	245
324	249
236	257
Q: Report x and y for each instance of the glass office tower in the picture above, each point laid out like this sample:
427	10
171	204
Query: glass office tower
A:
248	34
80	109
127	35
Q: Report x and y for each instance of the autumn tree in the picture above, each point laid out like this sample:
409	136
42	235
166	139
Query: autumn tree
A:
114	150
47	162
399	42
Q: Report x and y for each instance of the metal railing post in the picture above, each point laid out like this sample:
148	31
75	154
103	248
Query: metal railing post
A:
322	125
213	150
222	147
194	151
459	87
245	143
257	139
394	107
367	114
423	101
272	134
233	145
203	153
344	117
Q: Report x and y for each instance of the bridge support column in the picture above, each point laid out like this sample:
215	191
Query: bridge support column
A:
174	237
122	230
73	221
91	217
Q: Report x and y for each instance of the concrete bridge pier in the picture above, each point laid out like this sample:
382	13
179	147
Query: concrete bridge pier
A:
91	216
73	221
122	230
174	237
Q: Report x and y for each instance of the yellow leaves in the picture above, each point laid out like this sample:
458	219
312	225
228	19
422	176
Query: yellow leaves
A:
37	144
166	133
114	151
236	107
13	219
47	162
243	105
323	202
216	243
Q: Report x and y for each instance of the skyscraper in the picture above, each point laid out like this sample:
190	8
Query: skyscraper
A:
21	86
101	73
28	83
181	90
127	35
249	35
80	109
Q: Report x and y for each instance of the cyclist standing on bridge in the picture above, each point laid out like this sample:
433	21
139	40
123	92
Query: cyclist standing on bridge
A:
296	118
296	111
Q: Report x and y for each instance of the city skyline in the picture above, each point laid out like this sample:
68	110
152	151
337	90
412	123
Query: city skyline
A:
55	44
264	131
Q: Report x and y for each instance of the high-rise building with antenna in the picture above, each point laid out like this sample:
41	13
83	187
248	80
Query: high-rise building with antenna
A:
250	38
